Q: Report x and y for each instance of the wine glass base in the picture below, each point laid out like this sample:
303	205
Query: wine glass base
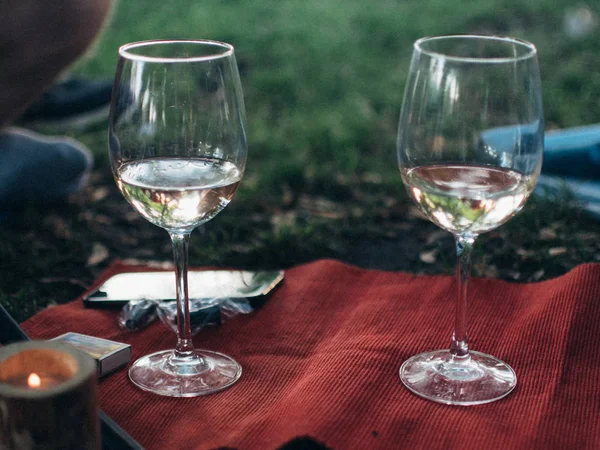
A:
205	374
475	380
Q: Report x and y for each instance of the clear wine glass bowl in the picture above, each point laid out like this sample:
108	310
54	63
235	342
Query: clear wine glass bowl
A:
470	143
177	147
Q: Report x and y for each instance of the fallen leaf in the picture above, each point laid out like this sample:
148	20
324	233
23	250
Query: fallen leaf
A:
322	207
73	281
537	275
555	251
59	226
436	236
150	263
372	177
243	248
282	220
526	253
99	254
329	214
429	257
389	202
100	193
130	240
102	219
547	234
491	271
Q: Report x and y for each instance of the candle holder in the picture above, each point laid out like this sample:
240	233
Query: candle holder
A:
48	397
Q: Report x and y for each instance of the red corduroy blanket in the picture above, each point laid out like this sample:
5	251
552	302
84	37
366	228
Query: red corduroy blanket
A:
320	360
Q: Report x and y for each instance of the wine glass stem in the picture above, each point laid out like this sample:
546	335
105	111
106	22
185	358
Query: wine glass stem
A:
185	347
459	347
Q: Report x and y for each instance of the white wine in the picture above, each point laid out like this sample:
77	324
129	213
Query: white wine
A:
467	199
178	194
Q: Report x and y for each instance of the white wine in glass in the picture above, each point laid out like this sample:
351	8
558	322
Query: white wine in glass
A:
178	150
470	142
467	198
178	193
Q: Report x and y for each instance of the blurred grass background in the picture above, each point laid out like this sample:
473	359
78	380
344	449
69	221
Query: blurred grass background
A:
324	79
323	83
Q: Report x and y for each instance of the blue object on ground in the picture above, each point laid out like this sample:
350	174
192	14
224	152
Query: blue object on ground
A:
516	147
39	169
570	152
572	160
573	152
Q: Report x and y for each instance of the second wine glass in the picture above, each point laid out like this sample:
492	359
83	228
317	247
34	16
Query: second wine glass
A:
178	152
470	145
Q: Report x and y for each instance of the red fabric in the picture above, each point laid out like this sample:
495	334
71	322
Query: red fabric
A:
321	359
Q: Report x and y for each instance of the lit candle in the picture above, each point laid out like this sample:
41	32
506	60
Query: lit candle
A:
35	381
47	397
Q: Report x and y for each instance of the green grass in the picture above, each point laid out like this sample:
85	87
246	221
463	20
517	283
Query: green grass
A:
323	83
324	80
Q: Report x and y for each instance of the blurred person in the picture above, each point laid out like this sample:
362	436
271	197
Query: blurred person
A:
71	103
39	40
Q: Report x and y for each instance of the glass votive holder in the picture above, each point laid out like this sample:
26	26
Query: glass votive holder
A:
48	397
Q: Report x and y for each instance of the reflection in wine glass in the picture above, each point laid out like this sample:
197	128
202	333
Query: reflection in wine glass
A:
470	151
178	152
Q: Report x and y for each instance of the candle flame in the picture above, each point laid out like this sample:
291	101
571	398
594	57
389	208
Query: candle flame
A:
34	380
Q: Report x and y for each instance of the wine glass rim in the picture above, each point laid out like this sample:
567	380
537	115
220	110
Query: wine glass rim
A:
530	53
124	50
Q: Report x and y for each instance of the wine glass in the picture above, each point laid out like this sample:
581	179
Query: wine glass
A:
470	144
178	152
